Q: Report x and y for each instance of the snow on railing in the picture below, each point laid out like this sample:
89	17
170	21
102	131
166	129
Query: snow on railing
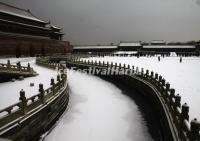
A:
179	114
8	67
27	105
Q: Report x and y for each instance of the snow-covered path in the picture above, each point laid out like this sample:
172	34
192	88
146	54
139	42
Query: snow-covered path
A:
184	77
98	111
9	91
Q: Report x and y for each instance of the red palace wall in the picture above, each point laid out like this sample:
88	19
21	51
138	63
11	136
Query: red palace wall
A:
27	46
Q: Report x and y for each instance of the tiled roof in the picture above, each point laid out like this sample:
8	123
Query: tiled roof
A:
11	10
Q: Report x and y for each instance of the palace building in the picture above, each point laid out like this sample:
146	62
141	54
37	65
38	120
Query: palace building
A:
95	48
23	34
130	46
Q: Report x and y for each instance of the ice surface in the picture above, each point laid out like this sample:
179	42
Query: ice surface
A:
184	77
98	111
9	91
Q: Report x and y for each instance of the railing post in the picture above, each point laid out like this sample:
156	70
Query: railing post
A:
152	75
171	96
177	101
111	65
194	130
114	69
116	65
133	70
184	116
163	82
160	81
29	67
142	72
120	65
156	76
167	87
19	66
62	73
124	66
166	91
23	102
8	64
53	85
147	73
41	90
58	78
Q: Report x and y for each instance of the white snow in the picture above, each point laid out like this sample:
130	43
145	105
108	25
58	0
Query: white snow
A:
98	111
169	46
10	90
184	77
133	44
125	52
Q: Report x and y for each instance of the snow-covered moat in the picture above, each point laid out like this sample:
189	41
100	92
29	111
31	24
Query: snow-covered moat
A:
98	111
184	77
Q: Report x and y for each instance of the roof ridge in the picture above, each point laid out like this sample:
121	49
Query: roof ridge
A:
21	12
14	6
130	41
29	11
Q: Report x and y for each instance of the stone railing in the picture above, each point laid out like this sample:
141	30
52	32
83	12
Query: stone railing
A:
8	68
177	116
45	62
39	111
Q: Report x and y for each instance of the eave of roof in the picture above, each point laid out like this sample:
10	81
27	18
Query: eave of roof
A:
18	12
55	27
12	22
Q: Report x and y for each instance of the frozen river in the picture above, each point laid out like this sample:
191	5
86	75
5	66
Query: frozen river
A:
184	77
10	90
98	111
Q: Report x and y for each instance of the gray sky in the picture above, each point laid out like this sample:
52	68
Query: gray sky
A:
106	21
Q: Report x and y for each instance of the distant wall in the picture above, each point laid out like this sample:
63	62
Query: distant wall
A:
30	46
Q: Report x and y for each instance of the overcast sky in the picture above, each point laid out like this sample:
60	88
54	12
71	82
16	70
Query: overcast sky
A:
106	21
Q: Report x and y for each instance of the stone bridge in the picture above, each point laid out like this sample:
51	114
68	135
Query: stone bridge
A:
8	71
28	119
